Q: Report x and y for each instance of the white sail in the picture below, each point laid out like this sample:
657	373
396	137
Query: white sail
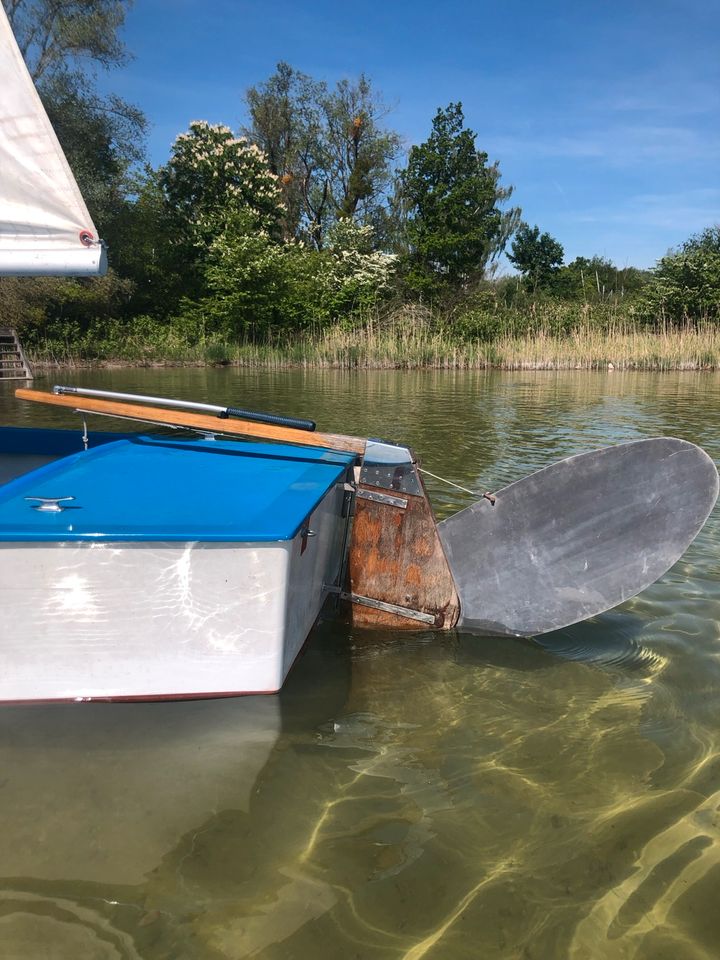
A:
45	227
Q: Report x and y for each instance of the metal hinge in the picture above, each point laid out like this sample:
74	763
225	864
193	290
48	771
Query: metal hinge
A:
348	504
386	607
385	498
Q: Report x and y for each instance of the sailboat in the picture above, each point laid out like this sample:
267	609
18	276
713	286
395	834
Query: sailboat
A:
194	564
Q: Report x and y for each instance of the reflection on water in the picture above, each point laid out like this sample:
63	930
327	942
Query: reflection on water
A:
405	797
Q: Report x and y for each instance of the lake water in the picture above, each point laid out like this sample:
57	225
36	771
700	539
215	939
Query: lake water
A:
405	797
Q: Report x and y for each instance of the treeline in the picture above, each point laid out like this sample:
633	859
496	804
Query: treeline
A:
304	219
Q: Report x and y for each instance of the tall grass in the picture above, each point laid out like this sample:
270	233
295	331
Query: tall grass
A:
412	338
684	348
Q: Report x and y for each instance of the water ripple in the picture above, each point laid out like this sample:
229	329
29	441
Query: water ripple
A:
406	797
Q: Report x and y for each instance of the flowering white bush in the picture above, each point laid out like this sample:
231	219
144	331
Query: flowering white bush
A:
212	175
353	270
229	208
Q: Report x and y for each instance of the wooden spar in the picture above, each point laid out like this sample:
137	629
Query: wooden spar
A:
396	556
194	421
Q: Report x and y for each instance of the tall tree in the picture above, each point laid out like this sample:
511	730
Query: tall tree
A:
328	147
214	182
60	35
536	255
360	150
286	123
213	176
455	226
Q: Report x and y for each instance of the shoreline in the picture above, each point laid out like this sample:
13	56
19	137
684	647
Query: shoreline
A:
522	366
405	347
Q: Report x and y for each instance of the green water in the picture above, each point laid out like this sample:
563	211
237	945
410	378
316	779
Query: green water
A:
405	797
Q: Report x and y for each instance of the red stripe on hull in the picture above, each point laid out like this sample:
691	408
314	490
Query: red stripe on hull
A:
145	697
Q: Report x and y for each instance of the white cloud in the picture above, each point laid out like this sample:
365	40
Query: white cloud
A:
685	212
618	145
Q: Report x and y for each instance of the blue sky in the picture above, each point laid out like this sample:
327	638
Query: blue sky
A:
604	116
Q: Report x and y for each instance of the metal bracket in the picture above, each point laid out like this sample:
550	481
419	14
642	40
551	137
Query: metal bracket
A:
428	618
400	478
385	498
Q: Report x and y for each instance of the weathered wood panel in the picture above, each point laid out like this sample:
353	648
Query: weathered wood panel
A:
396	556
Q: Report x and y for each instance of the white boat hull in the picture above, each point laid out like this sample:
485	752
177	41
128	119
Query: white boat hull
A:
86	621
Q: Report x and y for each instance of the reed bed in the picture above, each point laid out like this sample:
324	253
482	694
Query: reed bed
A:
685	348
418	345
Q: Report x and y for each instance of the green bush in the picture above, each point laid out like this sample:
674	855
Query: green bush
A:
258	287
685	287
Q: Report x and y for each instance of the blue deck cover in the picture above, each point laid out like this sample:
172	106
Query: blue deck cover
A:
151	488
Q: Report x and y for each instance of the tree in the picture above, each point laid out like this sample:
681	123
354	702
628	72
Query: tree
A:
258	287
213	180
148	252
537	256
354	274
360	150
213	176
286	124
328	147
685	286
597	279
455	227
57	36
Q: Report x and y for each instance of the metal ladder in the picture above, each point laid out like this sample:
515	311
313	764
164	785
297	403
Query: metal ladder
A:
14	365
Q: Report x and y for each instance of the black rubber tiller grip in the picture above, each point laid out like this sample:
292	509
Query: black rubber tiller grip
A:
276	420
